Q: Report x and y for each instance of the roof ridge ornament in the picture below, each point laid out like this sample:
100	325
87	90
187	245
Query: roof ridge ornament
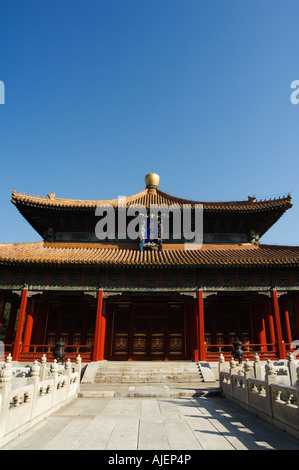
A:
51	196
152	181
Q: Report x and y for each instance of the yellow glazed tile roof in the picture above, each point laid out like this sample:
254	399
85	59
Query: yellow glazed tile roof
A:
247	255
147	198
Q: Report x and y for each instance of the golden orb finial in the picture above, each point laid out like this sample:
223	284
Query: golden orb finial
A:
152	180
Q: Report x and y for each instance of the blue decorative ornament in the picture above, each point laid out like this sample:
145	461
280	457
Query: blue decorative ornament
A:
151	226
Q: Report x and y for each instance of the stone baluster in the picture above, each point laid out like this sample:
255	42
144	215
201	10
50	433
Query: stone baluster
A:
270	378
78	368
248	369
54	368
221	365
9	359
257	367
68	365
34	379
248	374
5	373
233	370
35	370
292	366
233	366
68	373
54	374
270	373
43	368
78	365
5	389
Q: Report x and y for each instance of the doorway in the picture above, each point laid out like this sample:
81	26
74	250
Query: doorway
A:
148	331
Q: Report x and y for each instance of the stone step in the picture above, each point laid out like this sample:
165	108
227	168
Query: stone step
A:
150	369
147	391
147	372
146	379
147	366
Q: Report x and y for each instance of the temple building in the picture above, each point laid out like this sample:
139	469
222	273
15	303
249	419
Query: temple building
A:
112	289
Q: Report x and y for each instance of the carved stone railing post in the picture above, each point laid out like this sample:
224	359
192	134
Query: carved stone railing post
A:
292	366
221	364
5	389
248	369
54	368
78	368
270	378
233	366
9	359
257	367
68	367
54	373
34	380
68	373
248	374
78	364
270	373
43	368
232	371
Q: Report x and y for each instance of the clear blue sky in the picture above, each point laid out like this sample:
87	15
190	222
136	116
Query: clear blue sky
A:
100	92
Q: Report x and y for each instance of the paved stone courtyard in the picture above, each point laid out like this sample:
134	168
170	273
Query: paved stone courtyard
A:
197	423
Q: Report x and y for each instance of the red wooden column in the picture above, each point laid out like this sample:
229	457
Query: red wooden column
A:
201	328
99	335
288	334
280	346
18	338
102	332
262	332
29	324
270	323
196	331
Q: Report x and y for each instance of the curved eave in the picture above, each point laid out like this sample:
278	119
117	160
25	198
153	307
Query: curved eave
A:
222	256
146	198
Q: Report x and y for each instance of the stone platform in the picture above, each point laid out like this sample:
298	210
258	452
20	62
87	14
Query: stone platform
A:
149	372
123	426
148	379
125	416
174	390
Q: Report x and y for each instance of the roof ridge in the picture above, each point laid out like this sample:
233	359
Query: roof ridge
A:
149	195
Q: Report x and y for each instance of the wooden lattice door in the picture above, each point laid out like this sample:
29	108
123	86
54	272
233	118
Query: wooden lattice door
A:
120	346
176	327
148	337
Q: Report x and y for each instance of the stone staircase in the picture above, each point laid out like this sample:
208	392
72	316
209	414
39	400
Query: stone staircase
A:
108	379
154	372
